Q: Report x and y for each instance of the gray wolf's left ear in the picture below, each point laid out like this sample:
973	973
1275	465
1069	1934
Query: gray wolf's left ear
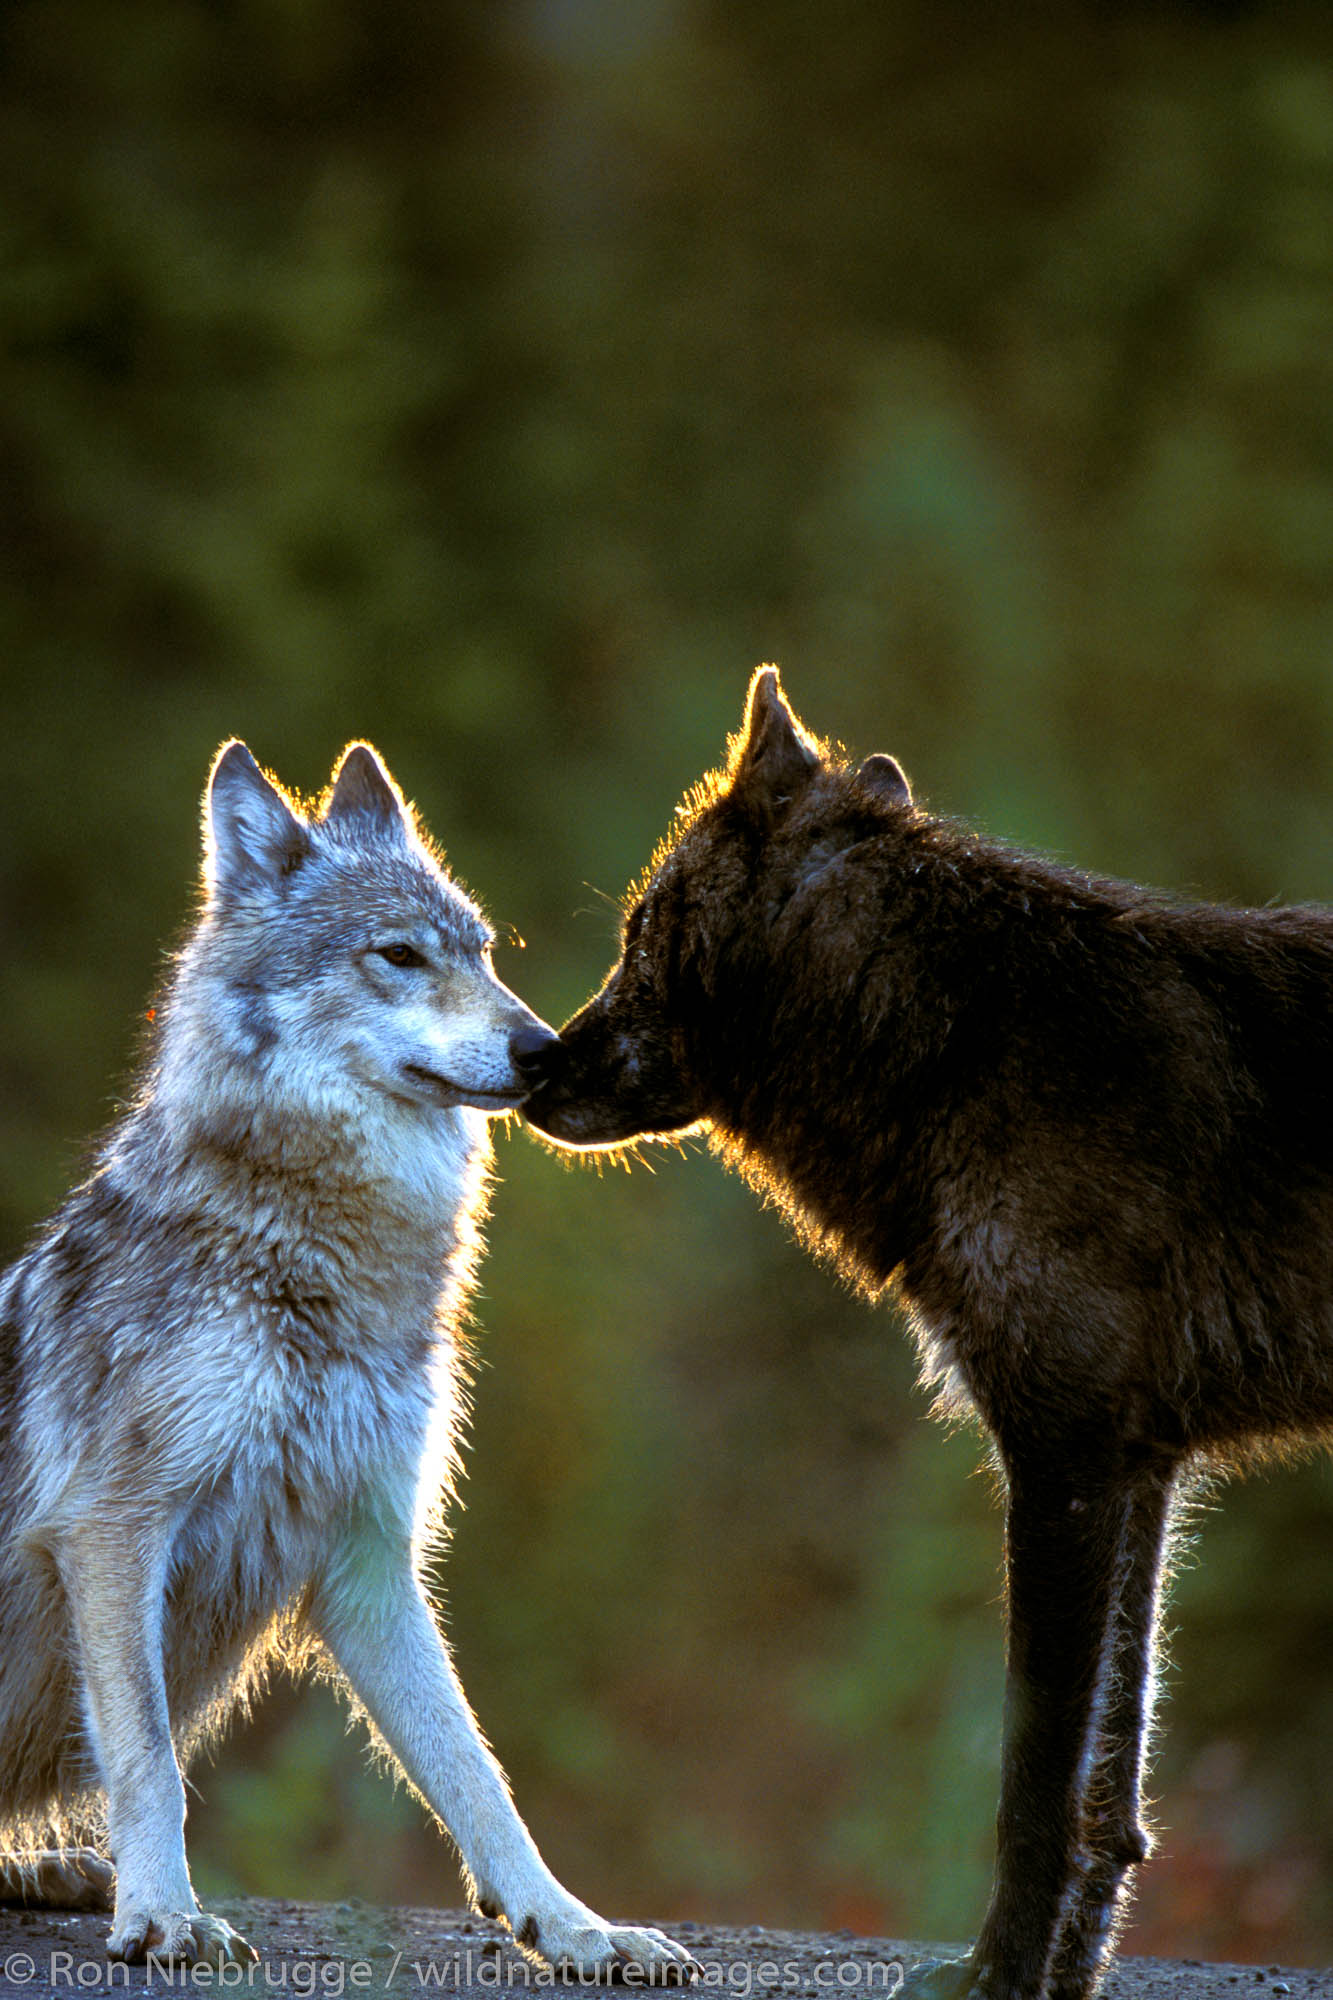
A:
775	757
252	837
885	777
362	785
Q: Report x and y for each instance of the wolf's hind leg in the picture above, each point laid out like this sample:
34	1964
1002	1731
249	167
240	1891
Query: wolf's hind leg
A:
112	1573
1064	1534
58	1878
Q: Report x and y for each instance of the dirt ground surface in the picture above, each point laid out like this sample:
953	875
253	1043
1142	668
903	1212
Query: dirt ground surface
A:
350	1948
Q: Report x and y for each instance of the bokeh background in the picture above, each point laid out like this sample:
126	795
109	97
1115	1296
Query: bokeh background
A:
502	381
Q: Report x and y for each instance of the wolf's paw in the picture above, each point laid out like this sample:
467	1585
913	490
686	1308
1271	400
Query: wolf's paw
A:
59	1878
187	1937
576	1940
941	1979
650	1956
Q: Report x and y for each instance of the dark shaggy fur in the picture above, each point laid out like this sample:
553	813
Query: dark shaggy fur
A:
1083	1132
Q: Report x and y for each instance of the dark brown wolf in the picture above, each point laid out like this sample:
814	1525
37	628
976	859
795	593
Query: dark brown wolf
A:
1083	1132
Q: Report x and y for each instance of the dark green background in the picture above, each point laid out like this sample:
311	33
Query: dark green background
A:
501	382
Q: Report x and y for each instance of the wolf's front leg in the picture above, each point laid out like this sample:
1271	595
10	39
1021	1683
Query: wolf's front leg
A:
372	1616
112	1574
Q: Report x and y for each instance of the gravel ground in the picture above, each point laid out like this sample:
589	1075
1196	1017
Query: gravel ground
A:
349	1948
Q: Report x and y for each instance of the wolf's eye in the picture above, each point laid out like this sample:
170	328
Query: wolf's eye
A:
400	954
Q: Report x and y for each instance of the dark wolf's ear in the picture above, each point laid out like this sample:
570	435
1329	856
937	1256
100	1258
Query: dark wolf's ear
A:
362	786
251	834
885	777
774	757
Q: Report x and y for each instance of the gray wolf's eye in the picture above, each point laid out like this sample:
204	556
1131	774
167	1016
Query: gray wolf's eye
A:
400	954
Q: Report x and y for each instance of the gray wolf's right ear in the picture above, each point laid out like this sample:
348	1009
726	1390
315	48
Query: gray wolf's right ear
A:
362	785
251	835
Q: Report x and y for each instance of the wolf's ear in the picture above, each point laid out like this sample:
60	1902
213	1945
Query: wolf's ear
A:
251	834
774	757
885	777
362	786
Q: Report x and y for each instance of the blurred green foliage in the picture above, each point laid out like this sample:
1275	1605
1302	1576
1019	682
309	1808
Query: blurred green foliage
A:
501	383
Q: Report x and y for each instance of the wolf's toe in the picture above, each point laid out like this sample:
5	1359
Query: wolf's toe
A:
216	1943
129	1936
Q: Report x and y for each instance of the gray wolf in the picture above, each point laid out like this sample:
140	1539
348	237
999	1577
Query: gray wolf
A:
1083	1132
232	1376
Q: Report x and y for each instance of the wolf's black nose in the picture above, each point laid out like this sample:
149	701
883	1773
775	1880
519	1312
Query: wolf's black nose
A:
534	1052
